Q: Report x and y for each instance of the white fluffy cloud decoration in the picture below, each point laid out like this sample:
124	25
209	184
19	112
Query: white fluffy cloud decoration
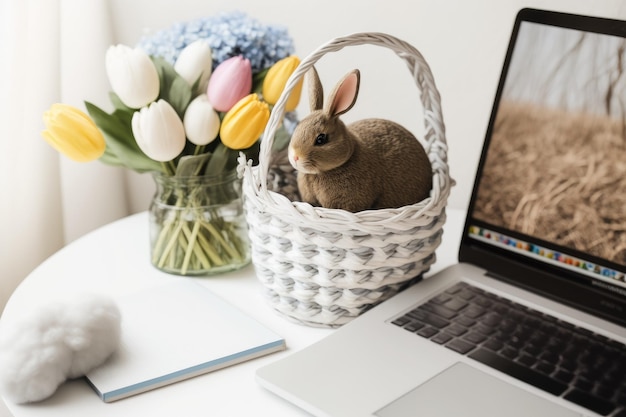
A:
61	340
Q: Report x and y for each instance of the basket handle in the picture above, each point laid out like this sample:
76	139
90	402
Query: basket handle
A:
433	121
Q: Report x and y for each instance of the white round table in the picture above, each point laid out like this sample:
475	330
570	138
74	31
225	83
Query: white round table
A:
114	260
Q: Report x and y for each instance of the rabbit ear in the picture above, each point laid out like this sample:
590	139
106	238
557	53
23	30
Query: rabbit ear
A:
344	95
316	92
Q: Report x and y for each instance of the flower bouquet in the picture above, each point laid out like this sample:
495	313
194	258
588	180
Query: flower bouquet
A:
186	102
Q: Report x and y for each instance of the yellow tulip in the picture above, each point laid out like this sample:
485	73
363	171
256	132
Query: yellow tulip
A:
276	79
244	122
73	133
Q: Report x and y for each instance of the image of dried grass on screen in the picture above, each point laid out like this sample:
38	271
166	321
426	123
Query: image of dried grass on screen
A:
560	176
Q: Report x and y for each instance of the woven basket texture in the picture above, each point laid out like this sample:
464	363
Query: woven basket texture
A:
324	267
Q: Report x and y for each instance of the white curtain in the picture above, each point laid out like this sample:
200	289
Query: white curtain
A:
51	51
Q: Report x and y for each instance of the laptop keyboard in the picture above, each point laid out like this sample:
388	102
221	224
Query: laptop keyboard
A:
581	366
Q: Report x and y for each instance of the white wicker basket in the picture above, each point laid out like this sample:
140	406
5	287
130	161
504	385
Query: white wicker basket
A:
323	267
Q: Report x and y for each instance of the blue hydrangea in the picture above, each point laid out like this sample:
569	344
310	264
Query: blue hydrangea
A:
228	34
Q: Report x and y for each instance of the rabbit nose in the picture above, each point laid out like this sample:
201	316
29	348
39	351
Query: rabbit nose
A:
296	158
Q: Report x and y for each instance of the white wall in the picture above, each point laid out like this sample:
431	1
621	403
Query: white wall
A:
464	42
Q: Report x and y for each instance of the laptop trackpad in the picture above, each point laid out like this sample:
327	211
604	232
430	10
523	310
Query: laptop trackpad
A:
461	390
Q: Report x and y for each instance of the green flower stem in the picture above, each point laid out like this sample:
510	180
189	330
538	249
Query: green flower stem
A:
178	232
192	247
215	233
168	167
163	235
182	243
199	149
158	246
208	248
170	244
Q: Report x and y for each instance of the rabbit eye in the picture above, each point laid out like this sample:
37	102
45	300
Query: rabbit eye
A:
321	139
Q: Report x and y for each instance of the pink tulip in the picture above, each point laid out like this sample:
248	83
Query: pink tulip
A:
231	81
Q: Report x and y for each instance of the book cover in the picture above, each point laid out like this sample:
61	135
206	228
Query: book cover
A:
176	331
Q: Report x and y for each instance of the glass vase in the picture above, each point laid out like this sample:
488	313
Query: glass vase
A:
197	224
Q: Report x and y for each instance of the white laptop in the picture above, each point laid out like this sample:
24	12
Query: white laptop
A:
531	321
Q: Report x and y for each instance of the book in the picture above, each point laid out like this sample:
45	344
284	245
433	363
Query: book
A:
176	331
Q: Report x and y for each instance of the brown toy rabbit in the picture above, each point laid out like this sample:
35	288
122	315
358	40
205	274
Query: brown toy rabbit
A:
372	163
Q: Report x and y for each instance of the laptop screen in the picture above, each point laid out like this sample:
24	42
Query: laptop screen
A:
551	188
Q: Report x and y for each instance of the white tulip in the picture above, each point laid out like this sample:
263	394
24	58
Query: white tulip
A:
201	121
195	61
159	132
132	75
